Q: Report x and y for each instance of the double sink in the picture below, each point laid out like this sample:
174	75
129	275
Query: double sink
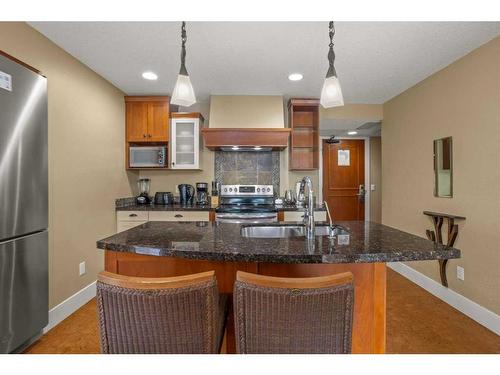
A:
289	230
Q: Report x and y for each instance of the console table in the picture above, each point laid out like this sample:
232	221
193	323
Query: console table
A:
436	236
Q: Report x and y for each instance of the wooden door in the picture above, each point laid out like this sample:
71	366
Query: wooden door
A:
137	121
344	178
158	122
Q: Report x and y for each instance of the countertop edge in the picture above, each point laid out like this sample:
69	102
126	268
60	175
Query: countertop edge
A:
289	259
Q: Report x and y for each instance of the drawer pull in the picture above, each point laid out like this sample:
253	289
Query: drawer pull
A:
178	215
132	215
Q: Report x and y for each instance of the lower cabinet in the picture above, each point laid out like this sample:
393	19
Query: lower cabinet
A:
124	225
129	219
178	216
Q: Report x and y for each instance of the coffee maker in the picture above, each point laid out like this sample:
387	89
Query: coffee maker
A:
202	193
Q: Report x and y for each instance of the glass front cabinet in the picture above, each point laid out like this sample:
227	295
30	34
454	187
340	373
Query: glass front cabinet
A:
185	140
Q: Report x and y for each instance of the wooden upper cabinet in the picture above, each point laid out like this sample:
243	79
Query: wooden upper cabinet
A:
147	118
303	119
137	121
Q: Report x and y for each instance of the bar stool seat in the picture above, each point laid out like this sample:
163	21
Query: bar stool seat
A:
293	315
172	315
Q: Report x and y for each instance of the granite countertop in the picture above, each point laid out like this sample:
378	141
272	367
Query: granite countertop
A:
367	242
162	207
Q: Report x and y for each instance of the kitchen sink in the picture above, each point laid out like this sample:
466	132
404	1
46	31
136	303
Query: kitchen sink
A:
285	231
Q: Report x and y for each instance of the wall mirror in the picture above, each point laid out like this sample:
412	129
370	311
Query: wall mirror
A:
443	168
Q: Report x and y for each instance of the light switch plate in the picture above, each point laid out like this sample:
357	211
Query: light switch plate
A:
372	187
82	268
460	273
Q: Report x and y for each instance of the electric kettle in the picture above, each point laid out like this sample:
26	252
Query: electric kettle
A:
186	194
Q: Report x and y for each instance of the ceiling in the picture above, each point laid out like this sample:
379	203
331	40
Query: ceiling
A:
375	60
340	127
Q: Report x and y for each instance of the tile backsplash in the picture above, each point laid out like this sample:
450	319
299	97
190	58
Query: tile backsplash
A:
248	168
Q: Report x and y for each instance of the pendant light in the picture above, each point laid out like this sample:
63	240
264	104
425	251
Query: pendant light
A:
331	94
183	91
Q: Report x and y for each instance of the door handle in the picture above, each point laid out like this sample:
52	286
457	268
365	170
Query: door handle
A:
178	215
132	215
361	192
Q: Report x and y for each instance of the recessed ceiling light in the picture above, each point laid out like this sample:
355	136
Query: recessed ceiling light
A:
235	148
257	148
295	77
149	75
352	132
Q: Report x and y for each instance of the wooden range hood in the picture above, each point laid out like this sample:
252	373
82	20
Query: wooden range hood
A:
246	121
267	138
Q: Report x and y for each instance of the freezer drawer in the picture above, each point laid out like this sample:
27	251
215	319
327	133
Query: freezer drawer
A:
23	289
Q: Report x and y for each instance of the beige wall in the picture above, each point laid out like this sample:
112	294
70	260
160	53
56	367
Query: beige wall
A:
375	179
247	111
86	157
461	101
353	111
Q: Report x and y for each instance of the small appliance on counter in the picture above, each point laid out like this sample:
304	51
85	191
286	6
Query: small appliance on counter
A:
202	193
186	194
143	197
164	198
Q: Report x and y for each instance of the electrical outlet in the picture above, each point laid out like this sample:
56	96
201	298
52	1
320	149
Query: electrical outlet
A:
460	273
82	268
372	187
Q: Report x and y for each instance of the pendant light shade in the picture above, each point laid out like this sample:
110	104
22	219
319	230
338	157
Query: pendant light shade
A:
331	94
183	93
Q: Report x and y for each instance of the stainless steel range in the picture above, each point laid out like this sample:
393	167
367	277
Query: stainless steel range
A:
246	204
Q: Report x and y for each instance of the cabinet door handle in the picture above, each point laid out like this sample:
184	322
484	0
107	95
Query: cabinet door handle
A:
149	135
144	136
132	215
178	215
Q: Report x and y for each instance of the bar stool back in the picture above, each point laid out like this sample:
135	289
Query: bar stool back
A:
182	314
293	315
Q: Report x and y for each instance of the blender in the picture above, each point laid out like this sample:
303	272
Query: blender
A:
143	197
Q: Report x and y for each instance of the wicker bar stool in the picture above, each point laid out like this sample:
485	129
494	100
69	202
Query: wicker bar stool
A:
182	314
293	315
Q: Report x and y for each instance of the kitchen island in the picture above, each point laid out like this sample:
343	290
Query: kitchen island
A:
160	249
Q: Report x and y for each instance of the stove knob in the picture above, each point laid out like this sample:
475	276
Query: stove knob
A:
258	190
268	190
225	190
236	190
230	189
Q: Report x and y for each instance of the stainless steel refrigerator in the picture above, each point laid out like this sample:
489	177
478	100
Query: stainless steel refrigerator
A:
23	205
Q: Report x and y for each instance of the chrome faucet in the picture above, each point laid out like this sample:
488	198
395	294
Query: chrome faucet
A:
330	220
309	211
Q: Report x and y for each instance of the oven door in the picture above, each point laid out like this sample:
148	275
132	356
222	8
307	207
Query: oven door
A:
247	218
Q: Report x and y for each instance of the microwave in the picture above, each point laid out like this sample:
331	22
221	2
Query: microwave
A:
147	156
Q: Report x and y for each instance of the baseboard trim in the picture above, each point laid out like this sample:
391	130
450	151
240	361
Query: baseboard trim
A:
470	308
70	305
